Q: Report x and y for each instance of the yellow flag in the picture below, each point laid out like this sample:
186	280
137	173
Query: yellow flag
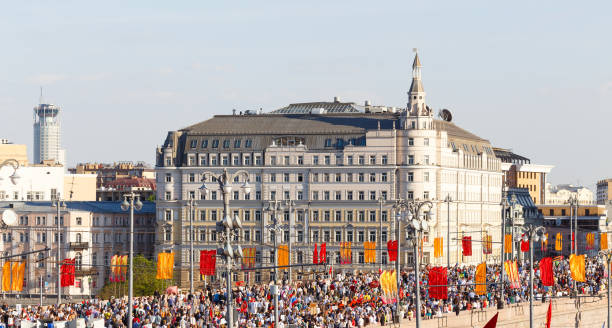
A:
393	282
438	247
603	241
508	244
481	279
165	263
123	270
6	277
577	267
559	242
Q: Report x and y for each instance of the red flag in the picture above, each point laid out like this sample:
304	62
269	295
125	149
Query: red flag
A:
524	245
438	276
546	271
467	246
323	254
549	315
392	250
208	261
493	322
315	255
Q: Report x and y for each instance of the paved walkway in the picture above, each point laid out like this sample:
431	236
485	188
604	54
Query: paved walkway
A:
564	315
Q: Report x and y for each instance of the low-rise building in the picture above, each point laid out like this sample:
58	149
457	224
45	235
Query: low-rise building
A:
90	232
557	219
109	172
9	150
114	190
560	194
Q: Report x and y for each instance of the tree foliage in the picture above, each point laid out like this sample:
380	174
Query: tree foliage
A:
144	281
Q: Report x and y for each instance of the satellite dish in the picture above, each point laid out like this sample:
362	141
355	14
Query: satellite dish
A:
9	217
446	115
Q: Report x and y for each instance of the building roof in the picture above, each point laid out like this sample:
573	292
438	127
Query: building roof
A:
522	197
126	183
338	123
329	107
507	156
94	207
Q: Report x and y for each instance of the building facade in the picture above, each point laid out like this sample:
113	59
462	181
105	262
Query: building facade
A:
343	168
604	196
90	232
48	135
107	173
519	172
13	151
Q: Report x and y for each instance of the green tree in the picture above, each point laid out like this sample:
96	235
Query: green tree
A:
144	281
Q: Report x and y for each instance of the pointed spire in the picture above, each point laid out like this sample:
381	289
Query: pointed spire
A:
417	62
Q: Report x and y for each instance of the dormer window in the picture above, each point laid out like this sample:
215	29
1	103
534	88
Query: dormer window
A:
328	142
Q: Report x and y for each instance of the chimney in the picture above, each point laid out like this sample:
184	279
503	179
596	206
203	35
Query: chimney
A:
367	103
336	99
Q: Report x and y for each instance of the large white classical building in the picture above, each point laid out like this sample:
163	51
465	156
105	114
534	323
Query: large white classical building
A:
335	160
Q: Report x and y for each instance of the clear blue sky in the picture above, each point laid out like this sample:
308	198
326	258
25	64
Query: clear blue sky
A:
534	76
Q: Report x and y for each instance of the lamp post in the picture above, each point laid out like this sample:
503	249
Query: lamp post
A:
191	236
59	205
606	255
229	228
131	201
532	233
15	177
273	208
573	203
448	200
417	224
504	204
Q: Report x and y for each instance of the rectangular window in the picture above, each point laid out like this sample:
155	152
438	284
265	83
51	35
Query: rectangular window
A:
272	177
315	236
349	177
384	216
349	195
168	177
372	235
315	195
300	216
410	176
326	236
273	195
300	177
372	216
338	216
213	215
300	236
426	141
300	195
327	160
361	195
326	195
426	159
410	159
257	235
272	160
425	194
215	143
193	143
372	159
338	236
383	177
315	160
385	160
257	160
338	195
226	143
372	177
349	216
349	236
286	177
300	160
248	143
360	177
383	236
349	160
236	161
326	177
338	177
360	236
372	195
327	216
315	216
361	160
426	176
315	177
202	215
410	195
237	143
286	160
410	141
204	143
361	216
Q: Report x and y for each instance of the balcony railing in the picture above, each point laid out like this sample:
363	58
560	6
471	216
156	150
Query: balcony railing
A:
79	245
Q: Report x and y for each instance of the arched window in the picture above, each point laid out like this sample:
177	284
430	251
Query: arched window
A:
78	238
78	260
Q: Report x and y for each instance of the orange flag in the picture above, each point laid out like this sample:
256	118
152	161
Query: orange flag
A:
481	279
603	241
165	264
123	269
577	267
6	277
559	242
283	255
508	244
18	274
438	247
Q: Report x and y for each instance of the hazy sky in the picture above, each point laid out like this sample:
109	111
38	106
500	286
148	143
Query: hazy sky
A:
534	76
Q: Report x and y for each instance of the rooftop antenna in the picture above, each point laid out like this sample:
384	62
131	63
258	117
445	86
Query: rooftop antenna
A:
40	100
415	50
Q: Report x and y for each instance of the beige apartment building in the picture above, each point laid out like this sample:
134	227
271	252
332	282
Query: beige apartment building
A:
90	232
344	166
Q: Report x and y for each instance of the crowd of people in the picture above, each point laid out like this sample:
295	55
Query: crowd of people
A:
339	301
